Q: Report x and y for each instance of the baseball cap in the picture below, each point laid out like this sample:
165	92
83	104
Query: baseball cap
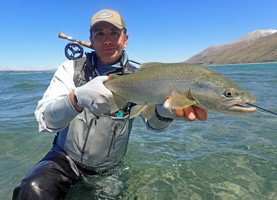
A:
109	16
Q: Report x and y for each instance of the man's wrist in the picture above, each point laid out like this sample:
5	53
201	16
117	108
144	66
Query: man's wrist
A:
161	118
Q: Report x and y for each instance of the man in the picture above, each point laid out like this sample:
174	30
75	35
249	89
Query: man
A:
90	140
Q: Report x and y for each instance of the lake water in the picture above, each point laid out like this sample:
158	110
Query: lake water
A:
225	157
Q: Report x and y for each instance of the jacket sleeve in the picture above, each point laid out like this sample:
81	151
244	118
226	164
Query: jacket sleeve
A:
158	122
54	111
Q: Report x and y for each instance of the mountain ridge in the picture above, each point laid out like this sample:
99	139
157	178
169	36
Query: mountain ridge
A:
256	46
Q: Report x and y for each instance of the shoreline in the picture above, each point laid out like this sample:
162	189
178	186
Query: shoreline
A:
24	71
14	71
241	64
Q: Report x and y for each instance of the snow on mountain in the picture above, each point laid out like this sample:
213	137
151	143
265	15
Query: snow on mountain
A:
257	46
255	35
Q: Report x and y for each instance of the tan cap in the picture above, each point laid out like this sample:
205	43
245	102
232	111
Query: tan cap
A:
109	16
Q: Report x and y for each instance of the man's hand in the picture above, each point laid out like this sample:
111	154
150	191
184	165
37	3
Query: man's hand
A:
191	113
94	96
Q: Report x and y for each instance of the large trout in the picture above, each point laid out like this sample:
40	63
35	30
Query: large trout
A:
177	86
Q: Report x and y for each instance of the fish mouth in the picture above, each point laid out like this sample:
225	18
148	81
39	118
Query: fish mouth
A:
242	108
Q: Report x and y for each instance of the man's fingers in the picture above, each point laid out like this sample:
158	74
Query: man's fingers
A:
179	113
190	113
201	114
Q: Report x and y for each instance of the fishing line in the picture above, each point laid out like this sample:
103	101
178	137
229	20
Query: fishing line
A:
262	109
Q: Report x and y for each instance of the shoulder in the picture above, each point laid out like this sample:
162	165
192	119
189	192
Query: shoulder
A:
130	68
66	67
79	62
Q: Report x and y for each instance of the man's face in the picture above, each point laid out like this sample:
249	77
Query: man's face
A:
108	42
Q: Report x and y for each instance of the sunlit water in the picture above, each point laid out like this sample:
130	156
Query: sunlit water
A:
225	157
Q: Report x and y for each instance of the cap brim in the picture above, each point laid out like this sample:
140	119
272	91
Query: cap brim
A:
112	23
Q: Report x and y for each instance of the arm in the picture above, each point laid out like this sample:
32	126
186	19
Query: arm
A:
159	122
55	105
61	103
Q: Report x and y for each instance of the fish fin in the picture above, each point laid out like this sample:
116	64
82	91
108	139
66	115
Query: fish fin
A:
149	111
113	106
119	102
178	101
136	110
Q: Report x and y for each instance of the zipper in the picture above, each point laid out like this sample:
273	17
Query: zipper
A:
112	144
86	139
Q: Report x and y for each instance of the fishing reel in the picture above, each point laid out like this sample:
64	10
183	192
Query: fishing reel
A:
73	51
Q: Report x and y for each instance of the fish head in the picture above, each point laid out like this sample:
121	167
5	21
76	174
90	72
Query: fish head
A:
222	95
235	100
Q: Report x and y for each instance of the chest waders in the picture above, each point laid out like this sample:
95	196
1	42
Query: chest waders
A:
89	144
96	142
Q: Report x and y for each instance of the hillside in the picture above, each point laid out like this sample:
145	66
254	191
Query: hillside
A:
257	46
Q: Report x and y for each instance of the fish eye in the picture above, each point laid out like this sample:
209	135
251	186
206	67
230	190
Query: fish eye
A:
228	93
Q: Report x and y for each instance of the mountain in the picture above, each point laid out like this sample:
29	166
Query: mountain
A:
256	34
257	46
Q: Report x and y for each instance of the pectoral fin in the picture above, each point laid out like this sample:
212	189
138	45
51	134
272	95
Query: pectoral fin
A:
118	103
136	110
149	111
178	101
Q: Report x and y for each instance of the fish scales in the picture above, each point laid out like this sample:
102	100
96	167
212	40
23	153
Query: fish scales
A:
152	82
181	85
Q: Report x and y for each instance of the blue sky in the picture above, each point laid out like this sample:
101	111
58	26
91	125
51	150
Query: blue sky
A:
160	30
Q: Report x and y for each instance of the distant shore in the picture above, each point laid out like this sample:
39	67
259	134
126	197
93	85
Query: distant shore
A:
254	63
25	71
227	64
53	70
